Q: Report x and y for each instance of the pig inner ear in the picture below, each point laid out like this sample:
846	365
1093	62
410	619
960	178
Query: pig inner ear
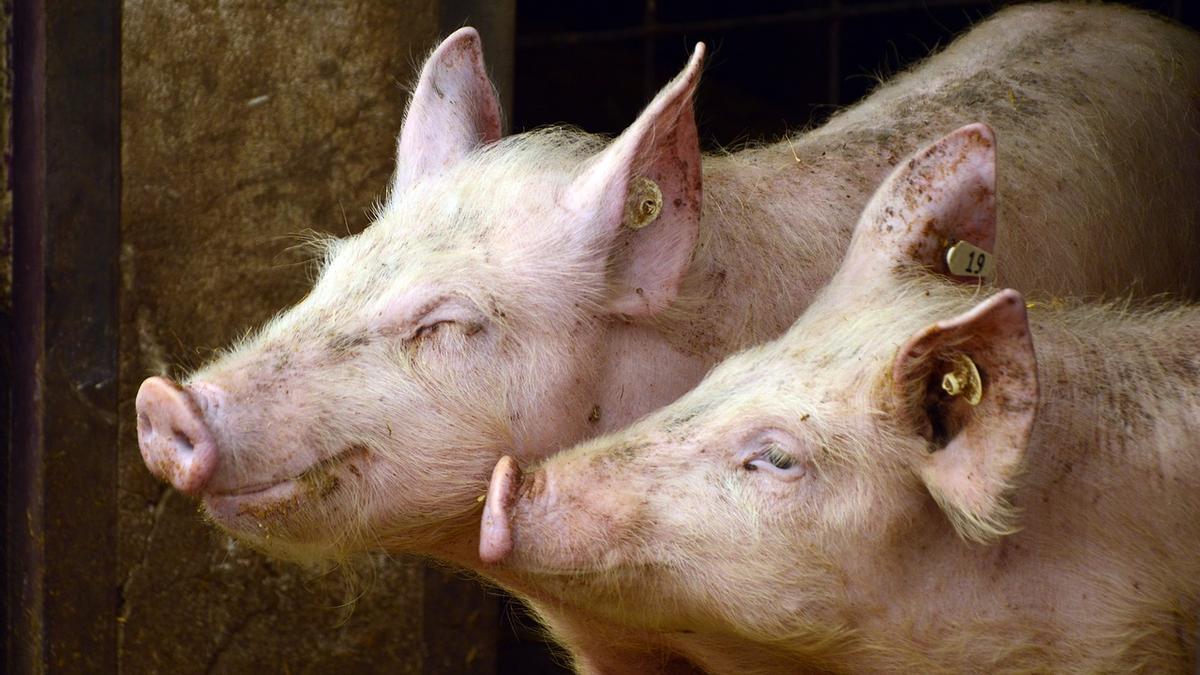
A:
944	194
453	111
638	204
976	451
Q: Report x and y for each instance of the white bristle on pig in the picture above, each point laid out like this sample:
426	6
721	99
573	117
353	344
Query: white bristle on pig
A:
919	475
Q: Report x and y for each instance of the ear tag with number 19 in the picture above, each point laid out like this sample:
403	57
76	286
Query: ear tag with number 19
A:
967	260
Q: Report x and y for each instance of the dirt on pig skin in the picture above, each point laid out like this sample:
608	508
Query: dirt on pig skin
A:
837	507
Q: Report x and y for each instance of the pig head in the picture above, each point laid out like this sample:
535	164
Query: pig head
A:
765	502
469	319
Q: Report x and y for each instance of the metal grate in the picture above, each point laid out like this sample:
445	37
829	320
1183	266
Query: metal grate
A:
596	64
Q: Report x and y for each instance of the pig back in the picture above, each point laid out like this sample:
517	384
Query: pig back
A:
1097	116
1110	494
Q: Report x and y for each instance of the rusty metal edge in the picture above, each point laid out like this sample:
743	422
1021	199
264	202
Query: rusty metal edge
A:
61	512
24	577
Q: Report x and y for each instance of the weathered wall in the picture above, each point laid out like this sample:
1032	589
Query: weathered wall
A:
245	123
5	160
6	270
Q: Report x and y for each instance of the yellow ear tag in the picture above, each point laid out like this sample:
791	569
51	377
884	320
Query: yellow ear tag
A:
643	204
967	260
964	380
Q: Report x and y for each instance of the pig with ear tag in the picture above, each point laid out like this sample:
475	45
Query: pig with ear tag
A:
921	475
516	295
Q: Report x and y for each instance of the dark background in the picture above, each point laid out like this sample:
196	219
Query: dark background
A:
774	65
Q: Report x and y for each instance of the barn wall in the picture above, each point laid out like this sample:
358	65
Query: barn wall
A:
244	124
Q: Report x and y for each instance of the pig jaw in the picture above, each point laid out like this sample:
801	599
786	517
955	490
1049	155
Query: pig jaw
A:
579	530
279	485
184	441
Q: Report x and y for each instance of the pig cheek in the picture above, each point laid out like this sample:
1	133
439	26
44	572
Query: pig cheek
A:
321	510
556	380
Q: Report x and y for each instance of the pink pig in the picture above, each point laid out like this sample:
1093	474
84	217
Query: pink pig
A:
915	478
517	295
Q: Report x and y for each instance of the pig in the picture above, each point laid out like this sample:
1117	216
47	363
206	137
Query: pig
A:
921	475
517	295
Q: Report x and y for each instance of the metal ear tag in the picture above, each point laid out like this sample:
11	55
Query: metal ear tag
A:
967	260
643	204
964	380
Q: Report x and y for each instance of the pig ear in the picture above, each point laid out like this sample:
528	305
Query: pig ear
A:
944	194
976	450
453	110
638	204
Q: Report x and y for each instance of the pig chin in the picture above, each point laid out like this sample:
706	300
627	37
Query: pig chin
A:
304	509
261	475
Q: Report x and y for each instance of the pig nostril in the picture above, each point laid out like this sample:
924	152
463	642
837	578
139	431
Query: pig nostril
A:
183	444
176	443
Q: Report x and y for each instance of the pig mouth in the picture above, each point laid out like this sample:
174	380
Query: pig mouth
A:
276	499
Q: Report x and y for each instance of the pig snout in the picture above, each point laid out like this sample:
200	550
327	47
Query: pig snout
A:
555	521
176	443
495	533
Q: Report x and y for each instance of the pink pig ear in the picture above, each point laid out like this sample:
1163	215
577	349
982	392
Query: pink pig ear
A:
944	194
453	111
976	451
639	202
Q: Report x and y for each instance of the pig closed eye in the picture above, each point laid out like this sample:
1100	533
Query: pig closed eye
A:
776	461
452	313
468	328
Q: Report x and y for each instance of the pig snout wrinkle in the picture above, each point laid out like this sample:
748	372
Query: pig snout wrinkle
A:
177	446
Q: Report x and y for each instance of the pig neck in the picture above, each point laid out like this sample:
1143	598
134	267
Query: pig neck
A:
1110	513
570	622
776	221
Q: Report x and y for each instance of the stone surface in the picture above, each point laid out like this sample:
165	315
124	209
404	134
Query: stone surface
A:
244	124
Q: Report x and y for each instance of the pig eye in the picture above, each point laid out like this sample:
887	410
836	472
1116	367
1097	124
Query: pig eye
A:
452	312
771	457
779	459
429	329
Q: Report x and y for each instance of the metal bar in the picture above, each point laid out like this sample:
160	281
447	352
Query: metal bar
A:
6	249
650	23
62	479
24	568
797	16
834	92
